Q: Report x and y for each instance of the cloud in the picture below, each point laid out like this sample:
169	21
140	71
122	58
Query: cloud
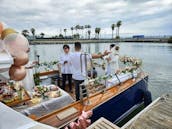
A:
49	16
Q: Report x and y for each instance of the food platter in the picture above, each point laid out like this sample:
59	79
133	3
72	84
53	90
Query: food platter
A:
13	94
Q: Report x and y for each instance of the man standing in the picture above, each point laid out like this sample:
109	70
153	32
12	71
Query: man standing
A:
76	60
66	68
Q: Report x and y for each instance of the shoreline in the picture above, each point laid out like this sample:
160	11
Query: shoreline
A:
71	41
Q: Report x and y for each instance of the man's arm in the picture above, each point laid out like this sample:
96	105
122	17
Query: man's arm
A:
95	56
31	65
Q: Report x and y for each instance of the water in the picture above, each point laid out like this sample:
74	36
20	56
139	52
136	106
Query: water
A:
157	60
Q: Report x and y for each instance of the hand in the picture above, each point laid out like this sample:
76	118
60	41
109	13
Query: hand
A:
106	53
35	62
65	62
109	59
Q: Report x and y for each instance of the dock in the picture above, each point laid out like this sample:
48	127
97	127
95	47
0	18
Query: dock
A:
158	115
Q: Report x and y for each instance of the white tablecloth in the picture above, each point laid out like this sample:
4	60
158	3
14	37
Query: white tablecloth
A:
11	119
48	105
121	78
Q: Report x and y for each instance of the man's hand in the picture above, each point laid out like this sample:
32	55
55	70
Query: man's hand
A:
109	59
35	62
106	53
65	62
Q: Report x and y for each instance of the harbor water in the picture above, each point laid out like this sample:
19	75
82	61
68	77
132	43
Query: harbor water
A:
157	59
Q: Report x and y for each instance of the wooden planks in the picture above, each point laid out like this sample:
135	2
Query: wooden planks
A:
68	112
156	116
48	73
102	123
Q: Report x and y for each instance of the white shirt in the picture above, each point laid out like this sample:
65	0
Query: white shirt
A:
65	68
76	65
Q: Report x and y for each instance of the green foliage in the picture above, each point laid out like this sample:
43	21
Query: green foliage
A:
117	37
37	79
60	36
170	40
76	36
48	65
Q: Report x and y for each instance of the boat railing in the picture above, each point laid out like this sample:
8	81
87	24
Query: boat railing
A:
85	58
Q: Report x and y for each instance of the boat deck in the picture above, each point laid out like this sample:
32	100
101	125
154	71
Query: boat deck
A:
61	117
157	115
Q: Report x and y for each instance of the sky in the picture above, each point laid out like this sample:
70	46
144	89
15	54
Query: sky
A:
147	17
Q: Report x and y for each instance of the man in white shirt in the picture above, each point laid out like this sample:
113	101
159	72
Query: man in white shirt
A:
77	75
66	68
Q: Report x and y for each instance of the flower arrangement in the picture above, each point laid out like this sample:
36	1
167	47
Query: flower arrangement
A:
47	66
101	65
47	91
42	91
131	61
11	92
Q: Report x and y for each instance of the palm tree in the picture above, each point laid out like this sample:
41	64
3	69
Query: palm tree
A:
72	28
32	30
82	28
42	34
87	27
89	33
25	33
118	24
113	27
97	32
77	27
65	30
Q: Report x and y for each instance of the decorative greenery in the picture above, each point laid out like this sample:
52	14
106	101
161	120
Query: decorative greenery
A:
37	79
48	65
43	90
102	63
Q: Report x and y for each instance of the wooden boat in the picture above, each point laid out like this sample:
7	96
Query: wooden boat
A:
114	104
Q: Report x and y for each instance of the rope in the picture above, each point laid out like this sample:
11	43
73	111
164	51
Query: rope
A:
118	79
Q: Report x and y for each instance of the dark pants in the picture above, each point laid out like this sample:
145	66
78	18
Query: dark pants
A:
77	89
69	77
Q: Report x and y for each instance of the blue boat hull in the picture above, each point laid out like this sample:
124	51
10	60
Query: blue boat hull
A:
116	108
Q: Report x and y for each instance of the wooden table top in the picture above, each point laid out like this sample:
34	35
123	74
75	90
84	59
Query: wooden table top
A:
48	73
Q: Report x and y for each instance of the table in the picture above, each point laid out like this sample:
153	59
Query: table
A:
11	119
47	105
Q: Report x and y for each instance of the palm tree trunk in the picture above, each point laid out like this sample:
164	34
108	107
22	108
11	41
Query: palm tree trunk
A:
112	34
118	31
83	33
